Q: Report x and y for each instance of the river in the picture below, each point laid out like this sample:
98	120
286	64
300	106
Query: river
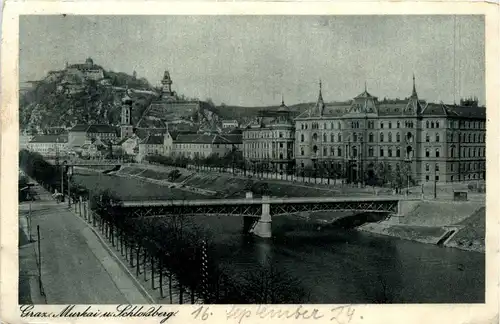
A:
334	265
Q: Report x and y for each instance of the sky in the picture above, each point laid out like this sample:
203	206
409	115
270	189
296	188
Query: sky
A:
254	60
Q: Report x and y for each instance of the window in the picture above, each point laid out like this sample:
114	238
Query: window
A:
325	151
381	124
398	125
426	178
427	124
281	135
332	138
332	151
427	138
390	124
301	137
389	152
354	137
437	137
474	152
427	154
437	124
370	137
469	152
301	151
398	137
398	152
432	124
315	137
381	137
474	138
437	152
339	137
339	151
437	167
331	126
452	151
390	137
301	126
325	139
370	151
437	178
427	167
381	152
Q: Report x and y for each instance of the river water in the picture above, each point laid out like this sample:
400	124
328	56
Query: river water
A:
334	265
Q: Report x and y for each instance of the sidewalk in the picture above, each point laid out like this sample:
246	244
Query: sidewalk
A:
76	266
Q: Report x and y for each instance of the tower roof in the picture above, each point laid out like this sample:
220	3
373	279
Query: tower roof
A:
320	104
283	107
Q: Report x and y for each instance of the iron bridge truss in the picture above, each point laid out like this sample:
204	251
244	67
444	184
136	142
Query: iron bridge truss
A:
255	210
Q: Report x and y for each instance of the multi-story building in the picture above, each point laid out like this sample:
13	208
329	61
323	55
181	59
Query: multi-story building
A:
204	145
88	70
83	134
426	141
269	140
49	145
233	123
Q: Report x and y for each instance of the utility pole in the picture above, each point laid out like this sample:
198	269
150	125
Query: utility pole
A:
63	166
70	172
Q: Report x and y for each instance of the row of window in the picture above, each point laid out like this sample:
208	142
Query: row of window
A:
464	167
467	138
397	124
267	134
258	145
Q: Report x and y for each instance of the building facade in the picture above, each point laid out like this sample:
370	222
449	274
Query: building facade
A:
49	145
203	145
411	138
269	140
83	134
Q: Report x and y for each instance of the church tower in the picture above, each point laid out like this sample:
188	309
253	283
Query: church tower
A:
166	90
126	127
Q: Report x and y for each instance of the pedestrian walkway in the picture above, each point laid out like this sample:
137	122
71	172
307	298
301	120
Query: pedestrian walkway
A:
76	268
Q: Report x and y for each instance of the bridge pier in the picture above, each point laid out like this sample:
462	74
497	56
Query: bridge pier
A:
263	226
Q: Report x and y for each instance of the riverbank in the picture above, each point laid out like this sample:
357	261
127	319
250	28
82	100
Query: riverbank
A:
451	224
467	234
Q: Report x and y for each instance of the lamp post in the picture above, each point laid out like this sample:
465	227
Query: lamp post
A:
435	181
70	173
62	180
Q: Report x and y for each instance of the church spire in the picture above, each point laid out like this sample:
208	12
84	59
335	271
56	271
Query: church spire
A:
282	100
365	87
320	105
414	91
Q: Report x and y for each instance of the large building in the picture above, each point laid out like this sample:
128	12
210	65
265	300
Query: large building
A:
87	70
204	145
269	140
49	145
425	141
82	134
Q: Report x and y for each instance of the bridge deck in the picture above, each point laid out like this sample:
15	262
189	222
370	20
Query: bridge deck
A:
257	201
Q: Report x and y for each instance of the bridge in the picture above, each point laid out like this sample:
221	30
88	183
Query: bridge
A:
261	210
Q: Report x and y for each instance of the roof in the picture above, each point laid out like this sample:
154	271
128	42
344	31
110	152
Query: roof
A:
94	128
49	139
195	138
228	139
143	133
153	140
159	113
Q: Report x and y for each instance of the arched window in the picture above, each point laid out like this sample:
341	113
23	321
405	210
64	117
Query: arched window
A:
301	137
427	167
398	124
398	152
306	126
398	137
370	137
390	124
331	125
301	151
389	152
437	137
370	151
339	151
437	124
432	124
474	152
390	137
354	137
381	124
427	152
339	137
381	137
315	149
474	138
470	138
427	138
301	126
340	125
315	137
437	152
427	124
469	155
452	151
332	138
325	139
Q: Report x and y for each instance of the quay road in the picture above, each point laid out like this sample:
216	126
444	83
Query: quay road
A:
76	266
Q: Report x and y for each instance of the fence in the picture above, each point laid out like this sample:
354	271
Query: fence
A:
145	259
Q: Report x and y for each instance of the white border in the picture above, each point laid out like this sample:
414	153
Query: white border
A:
411	313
